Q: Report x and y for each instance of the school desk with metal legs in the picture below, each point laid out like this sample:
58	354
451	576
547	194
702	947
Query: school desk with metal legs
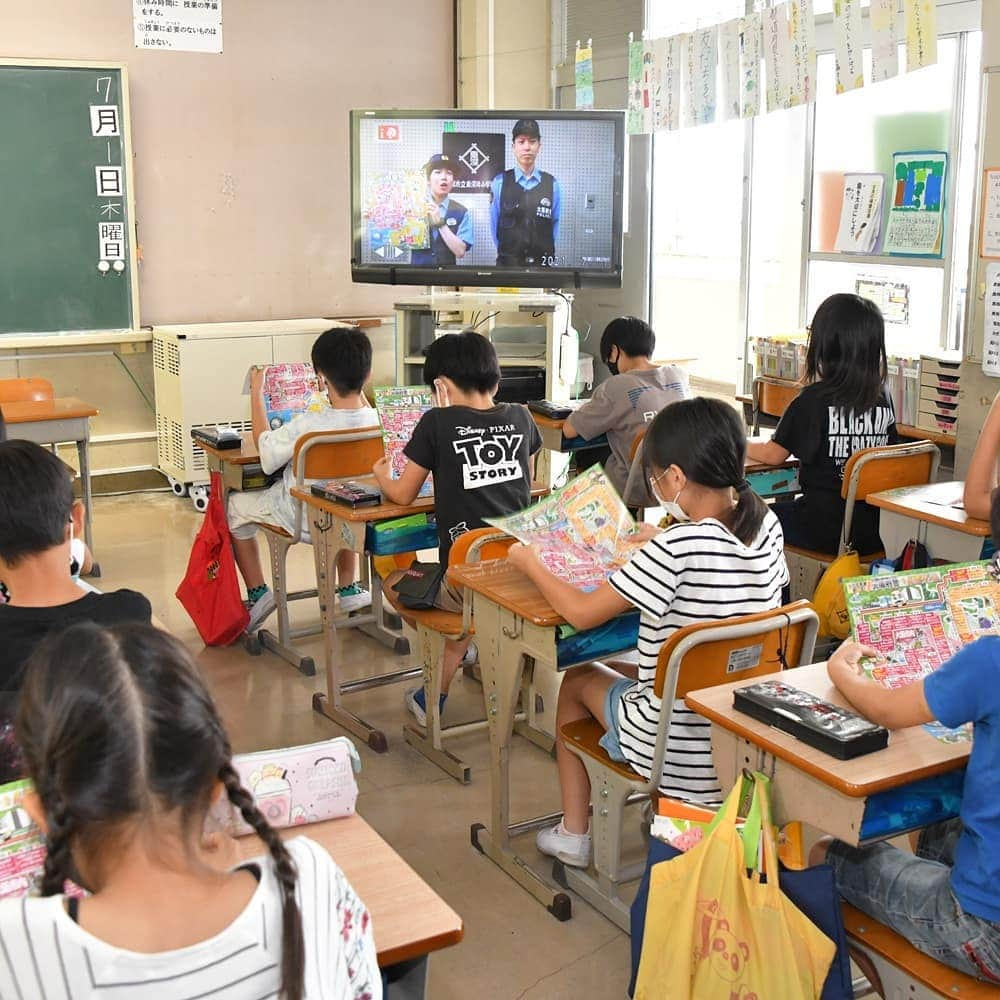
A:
927	514
52	421
517	629
915	781
409	919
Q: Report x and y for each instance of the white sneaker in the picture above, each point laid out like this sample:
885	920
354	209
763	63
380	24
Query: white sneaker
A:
260	610
571	849
353	598
471	657
413	706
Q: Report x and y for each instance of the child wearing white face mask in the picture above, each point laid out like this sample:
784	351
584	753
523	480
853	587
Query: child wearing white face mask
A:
724	558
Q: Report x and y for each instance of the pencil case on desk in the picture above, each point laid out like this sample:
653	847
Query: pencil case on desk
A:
403	534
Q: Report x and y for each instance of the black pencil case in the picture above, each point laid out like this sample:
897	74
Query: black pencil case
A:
835	730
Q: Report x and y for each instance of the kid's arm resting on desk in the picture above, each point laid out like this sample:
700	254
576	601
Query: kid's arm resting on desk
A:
981	477
768	452
581	610
403	490
894	708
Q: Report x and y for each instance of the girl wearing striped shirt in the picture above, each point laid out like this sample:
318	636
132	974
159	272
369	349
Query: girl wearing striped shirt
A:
723	558
127	753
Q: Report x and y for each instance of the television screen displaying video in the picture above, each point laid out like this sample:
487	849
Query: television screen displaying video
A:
530	199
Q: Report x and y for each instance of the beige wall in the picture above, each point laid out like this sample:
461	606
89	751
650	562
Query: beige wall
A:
504	54
241	163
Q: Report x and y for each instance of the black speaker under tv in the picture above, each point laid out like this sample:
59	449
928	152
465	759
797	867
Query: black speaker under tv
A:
523	199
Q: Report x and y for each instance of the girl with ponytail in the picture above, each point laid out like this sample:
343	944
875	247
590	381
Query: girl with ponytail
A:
127	754
723	557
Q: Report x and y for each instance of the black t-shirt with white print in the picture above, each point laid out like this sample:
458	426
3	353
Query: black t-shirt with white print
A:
480	462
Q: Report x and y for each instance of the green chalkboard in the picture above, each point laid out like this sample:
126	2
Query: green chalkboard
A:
66	255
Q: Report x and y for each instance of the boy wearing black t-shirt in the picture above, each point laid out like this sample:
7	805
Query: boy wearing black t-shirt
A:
480	455
38	520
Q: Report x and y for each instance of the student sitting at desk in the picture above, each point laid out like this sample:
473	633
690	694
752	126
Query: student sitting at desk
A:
127	754
624	405
981	477
842	409
724	558
38	520
480	455
945	900
342	358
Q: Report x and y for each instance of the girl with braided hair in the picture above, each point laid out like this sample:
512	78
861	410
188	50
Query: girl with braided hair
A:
127	754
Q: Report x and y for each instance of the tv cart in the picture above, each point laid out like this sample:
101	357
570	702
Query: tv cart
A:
544	319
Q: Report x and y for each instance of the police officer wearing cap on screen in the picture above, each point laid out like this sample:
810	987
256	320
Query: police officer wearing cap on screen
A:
525	205
449	221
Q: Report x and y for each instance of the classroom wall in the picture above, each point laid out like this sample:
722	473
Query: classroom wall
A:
241	165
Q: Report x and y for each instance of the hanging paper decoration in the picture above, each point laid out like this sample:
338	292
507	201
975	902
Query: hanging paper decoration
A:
777	55
648	74
729	58
699	76
885	40
633	118
802	33
921	33
750	28
666	86
848	45
584	76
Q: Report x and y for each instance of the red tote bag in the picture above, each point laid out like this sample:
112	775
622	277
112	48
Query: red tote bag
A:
210	590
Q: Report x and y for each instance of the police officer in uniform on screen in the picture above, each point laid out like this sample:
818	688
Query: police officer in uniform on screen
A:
450	222
525	205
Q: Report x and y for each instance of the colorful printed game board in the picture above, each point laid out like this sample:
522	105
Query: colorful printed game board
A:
400	408
584	530
289	389
919	618
395	207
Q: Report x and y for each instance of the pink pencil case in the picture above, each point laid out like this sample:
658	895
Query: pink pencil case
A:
295	785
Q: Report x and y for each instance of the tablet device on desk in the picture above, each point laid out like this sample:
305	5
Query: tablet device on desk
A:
351	493
834	730
223	438
555	411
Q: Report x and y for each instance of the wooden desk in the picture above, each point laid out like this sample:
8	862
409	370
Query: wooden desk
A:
409	919
335	526
515	625
808	784
924	513
52	421
230	462
550	429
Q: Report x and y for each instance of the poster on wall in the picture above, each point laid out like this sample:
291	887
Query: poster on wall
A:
860	213
991	326
989	234
584	76
177	27
916	212
892	297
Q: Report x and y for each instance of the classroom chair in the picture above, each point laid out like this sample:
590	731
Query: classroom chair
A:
870	470
895	969
770	400
318	455
694	657
433	627
25	390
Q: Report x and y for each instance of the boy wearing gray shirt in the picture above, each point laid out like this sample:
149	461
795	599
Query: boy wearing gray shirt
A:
624	404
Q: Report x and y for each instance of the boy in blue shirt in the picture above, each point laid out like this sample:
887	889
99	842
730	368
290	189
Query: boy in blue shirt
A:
945	900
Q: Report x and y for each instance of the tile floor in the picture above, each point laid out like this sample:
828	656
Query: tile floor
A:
512	948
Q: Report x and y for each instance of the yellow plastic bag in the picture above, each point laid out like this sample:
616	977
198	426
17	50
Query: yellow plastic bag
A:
829	600
713	933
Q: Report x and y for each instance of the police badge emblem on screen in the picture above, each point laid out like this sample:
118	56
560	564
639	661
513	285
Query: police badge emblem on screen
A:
531	199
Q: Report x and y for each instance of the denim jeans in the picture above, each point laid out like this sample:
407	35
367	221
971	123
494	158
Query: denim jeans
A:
912	894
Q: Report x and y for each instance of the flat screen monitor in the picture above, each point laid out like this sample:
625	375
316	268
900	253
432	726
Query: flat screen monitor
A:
525	199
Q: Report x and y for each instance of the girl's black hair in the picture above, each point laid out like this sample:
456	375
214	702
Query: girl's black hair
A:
706	439
847	351
115	725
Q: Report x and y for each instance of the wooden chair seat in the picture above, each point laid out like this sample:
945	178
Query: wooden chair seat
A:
273	528
896	950
443	622
585	735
